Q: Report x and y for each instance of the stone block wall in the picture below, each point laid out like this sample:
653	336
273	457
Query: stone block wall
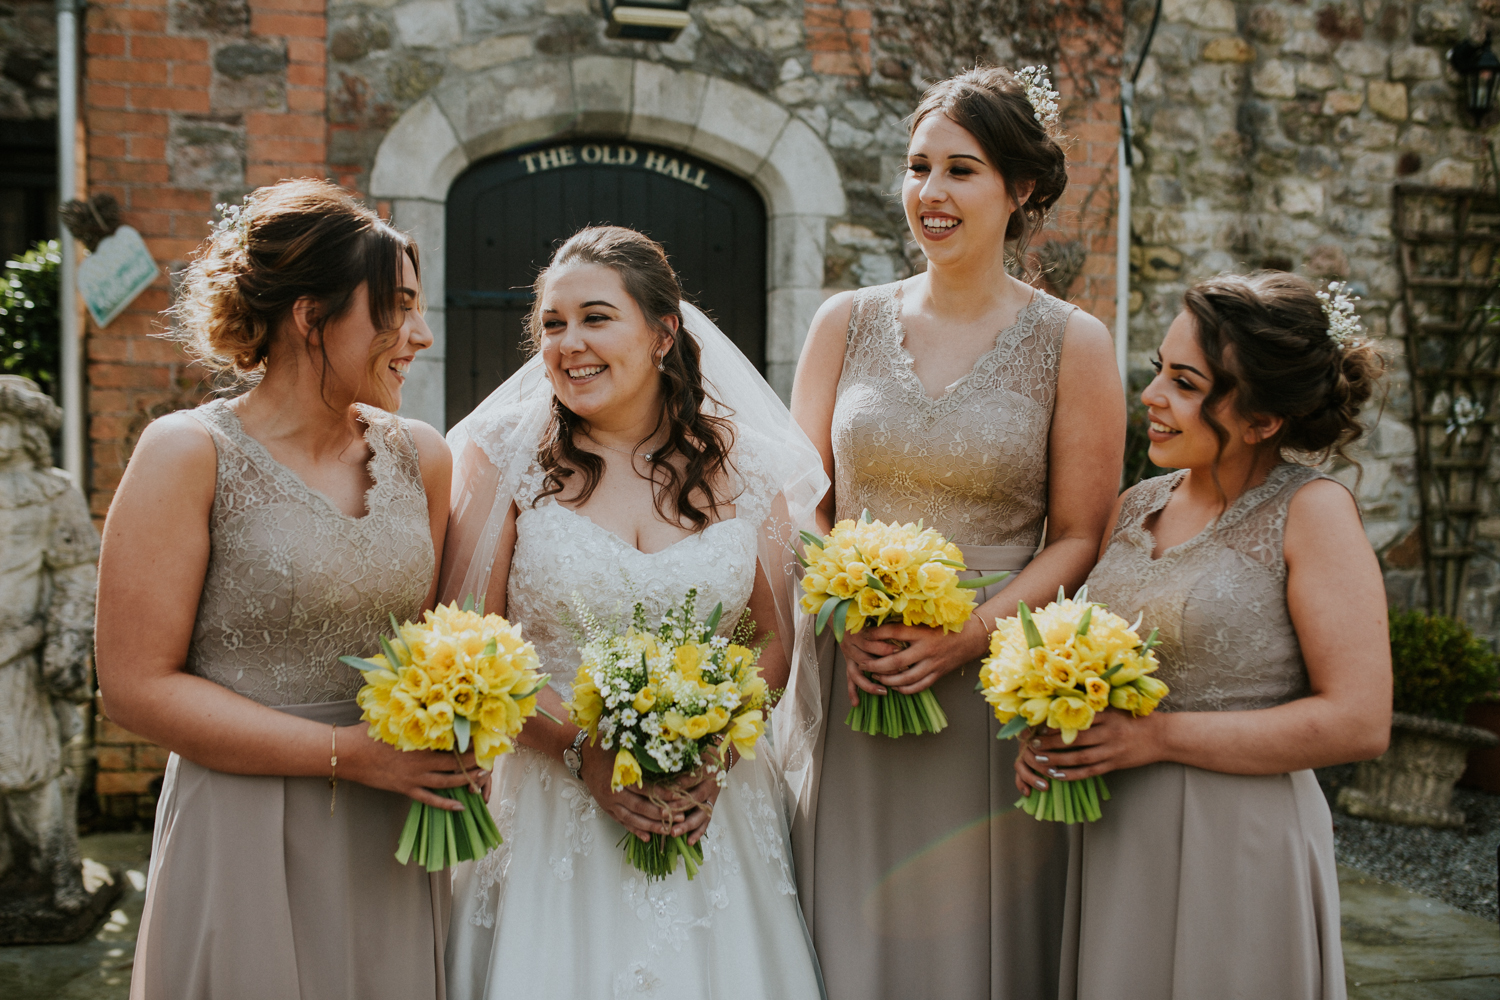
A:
187	103
1270	135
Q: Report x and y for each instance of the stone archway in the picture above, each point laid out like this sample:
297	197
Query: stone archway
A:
521	103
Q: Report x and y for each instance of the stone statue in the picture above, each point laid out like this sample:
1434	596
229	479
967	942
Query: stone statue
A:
48	551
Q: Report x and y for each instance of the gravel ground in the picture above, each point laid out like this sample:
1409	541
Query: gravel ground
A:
1456	866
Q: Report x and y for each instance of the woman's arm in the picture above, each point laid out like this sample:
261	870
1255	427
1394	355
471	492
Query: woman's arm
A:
437	480
1085	452
1336	598
815	389
151	572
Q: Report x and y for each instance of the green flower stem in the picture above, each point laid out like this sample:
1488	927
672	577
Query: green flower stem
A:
1067	801
896	714
441	838
657	857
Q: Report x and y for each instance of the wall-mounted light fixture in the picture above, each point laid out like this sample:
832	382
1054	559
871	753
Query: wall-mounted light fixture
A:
646	20
1479	68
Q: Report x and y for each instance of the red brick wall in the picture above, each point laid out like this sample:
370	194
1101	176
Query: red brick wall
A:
186	104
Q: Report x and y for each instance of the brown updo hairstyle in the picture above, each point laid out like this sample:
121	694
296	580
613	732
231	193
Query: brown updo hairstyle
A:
702	439
991	105
296	239
1266	340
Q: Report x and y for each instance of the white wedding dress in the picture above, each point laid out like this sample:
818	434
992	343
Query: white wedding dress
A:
557	911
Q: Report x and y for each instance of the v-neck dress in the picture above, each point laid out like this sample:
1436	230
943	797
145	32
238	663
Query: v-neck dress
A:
919	876
255	889
1197	883
557	911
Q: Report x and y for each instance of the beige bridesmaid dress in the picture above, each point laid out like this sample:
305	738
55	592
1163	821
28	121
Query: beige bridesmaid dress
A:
917	874
255	891
1195	883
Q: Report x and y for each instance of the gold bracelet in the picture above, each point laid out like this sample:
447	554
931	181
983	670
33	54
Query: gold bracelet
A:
333	768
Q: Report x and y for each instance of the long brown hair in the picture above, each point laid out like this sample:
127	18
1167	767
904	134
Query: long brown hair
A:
991	105
702	439
295	239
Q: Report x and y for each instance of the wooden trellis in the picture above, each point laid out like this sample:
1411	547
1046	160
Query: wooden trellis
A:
1448	242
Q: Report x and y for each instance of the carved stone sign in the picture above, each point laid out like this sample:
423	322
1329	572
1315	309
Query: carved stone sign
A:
626	156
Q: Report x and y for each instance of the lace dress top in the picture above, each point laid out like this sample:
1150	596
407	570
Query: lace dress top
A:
293	583
565	563
1219	598
972	462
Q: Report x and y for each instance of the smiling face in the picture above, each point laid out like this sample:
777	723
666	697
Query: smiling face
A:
1180	437
955	200
597	346
370	364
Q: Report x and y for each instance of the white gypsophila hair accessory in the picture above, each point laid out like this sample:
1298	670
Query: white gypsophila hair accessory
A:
1041	95
1344	328
234	219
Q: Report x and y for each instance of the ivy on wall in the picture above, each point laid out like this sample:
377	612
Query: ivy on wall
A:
28	315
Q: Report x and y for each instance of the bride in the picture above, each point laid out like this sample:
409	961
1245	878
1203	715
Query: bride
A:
636	456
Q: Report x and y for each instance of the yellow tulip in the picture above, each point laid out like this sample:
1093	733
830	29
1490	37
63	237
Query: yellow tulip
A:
1151	689
644	699
627	771
754	691
586	705
718	718
744	731
688	660
697	727
675	724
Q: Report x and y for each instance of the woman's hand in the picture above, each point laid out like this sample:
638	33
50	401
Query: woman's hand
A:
1117	740
628	807
928	655
413	773
696	793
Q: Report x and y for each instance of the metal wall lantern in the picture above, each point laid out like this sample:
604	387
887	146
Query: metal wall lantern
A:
1479	68
646	20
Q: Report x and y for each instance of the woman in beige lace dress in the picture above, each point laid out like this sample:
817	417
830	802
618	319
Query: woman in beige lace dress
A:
993	411
251	543
1211	873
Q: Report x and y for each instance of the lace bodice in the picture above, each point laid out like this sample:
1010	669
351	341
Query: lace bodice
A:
973	462
293	582
1219	598
560	553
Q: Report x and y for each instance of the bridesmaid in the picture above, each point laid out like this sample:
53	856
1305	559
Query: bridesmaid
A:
992	410
252	542
1212	872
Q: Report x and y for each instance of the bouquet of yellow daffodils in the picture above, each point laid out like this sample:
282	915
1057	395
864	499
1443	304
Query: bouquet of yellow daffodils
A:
460	678
667	699
1058	667
865	573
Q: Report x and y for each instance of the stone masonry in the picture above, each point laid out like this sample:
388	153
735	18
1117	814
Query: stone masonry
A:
1270	135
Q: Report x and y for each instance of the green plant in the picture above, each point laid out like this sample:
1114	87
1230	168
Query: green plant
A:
29	321
1439	665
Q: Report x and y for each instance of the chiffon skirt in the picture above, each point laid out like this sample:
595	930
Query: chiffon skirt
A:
558	912
256	892
927	880
1199	884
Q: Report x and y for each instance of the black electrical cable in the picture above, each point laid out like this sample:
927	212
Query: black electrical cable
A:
1127	97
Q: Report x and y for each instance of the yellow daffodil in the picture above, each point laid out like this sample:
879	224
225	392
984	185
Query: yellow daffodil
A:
627	771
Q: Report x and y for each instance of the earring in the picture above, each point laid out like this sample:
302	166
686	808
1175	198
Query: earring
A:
661	364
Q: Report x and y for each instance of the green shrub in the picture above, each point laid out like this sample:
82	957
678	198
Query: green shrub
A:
1439	665
29	321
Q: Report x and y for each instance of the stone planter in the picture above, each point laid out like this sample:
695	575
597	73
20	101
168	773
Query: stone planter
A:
1412	782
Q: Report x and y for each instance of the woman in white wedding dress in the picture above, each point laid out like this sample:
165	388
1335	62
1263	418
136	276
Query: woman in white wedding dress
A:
637	456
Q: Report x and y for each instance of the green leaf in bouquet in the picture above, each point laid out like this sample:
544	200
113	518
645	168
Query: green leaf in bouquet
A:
808	538
800	560
1151	641
839	617
461	733
363	665
949	562
396	631
645	760
1028	626
490	648
864	516
541	683
872	581
1011	728
982	581
542	711
409	833
390	652
824	612
1111	671
469	603
1061	594
1083	623
1082	596
713	619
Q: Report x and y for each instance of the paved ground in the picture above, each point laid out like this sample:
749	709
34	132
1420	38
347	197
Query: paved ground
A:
1398	945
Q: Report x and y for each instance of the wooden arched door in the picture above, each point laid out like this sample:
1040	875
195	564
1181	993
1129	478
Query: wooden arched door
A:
507	214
